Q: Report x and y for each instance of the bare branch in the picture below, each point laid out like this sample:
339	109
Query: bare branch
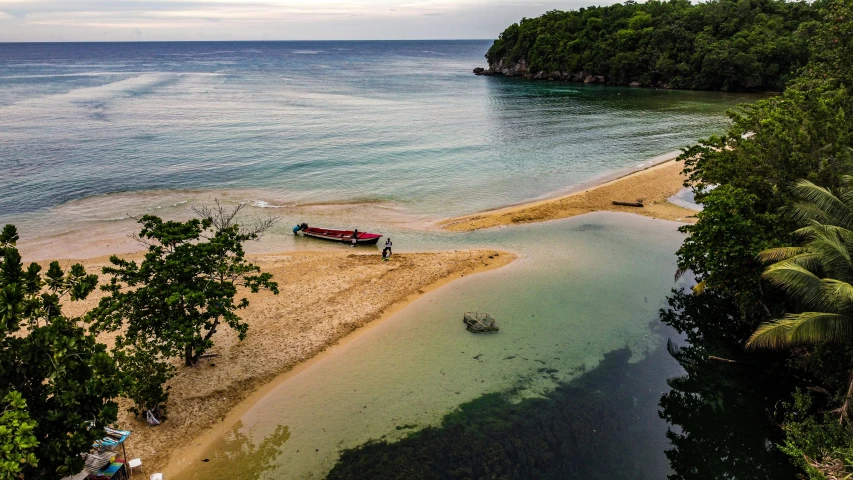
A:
258	228
221	217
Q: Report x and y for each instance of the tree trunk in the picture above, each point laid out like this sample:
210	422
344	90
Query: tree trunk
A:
188	356
206	338
846	405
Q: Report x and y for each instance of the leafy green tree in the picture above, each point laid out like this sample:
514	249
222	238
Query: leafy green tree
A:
17	441
149	372
186	286
67	379
817	442
733	223
771	144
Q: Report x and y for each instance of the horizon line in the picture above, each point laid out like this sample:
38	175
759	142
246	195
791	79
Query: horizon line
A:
265	40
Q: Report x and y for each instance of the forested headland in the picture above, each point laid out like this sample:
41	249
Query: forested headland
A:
728	45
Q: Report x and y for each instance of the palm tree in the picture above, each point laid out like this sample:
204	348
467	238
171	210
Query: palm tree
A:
818	275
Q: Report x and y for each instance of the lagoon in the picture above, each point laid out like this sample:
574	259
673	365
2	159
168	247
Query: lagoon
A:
581	288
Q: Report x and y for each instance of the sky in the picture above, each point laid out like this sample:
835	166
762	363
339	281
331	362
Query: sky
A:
153	20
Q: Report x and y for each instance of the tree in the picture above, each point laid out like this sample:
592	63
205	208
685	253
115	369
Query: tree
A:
150	372
733	224
65	377
185	288
817	276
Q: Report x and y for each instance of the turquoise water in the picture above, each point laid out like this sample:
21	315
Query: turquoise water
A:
386	133
585	287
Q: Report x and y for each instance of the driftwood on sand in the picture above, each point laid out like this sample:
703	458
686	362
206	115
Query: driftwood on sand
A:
628	204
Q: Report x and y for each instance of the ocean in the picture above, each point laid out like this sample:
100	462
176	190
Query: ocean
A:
389	134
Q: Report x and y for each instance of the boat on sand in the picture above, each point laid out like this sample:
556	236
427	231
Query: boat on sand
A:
344	236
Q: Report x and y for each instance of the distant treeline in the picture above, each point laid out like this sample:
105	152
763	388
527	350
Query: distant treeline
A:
729	45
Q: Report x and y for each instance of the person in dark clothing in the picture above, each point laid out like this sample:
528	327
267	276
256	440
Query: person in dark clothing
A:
386	252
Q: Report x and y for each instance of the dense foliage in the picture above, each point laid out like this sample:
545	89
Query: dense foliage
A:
17	440
730	45
746	180
58	382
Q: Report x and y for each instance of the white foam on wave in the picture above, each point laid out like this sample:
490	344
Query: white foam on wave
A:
265	204
159	207
306	52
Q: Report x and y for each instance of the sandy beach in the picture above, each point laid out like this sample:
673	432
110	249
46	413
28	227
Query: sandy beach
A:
652	187
324	297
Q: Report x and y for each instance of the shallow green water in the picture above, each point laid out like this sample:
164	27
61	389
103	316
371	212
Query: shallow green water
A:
582	287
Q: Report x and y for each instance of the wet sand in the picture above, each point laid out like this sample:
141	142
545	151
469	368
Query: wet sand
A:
324	297
652	187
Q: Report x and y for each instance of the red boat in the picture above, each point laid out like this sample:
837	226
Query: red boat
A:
345	236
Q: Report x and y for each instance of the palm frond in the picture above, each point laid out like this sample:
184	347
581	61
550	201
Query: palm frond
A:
818	274
834	256
846	235
836	211
847	180
803	212
779	254
798	282
801	328
809	261
839	296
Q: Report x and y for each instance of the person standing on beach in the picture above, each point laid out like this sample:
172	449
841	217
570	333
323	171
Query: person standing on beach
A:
386	252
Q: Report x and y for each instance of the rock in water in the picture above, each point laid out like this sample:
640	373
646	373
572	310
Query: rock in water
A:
477	322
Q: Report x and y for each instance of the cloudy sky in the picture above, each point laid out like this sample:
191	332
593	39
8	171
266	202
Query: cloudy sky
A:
116	20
